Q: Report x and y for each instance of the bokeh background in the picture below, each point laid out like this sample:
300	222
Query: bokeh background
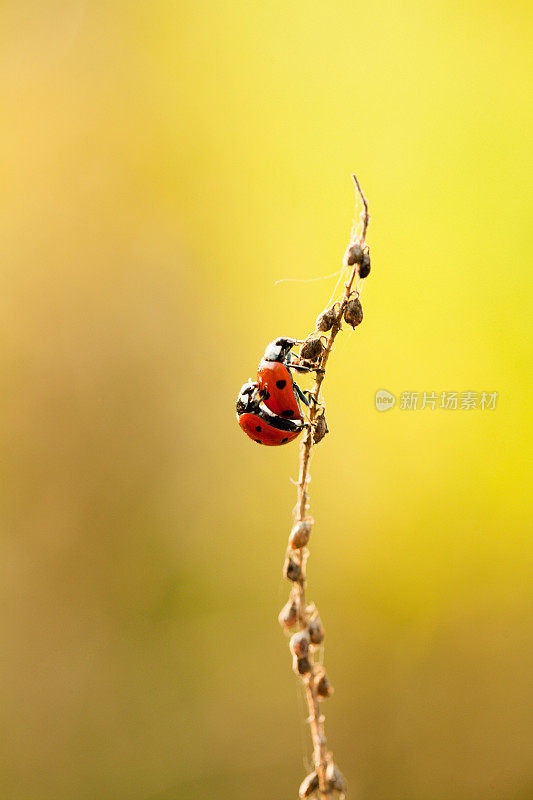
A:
163	164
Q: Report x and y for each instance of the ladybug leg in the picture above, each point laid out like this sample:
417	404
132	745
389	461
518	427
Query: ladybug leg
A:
305	366
311	401
299	366
305	397
308	398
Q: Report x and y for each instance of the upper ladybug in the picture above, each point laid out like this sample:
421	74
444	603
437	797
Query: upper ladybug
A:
276	386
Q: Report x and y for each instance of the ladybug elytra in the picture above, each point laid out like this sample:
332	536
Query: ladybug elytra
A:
276	385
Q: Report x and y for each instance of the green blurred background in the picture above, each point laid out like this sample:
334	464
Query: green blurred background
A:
163	164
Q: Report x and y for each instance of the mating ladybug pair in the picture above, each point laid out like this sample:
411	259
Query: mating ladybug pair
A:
268	410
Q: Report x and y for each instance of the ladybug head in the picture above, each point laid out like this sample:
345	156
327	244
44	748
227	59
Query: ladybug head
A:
279	349
246	400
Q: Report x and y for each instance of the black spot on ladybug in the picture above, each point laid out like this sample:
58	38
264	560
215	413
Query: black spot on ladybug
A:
258	441
281	384
258	428
288	413
286	439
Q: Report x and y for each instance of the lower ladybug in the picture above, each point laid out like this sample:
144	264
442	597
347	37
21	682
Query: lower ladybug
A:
259	423
277	388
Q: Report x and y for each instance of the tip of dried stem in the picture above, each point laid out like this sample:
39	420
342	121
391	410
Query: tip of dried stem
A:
364	216
358	186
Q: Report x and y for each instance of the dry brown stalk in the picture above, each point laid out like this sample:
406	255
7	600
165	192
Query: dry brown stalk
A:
309	672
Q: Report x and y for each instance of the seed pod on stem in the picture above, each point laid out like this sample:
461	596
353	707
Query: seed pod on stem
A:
353	255
300	533
291	569
299	644
311	350
335	778
301	665
308	786
320	428
324	689
325	320
288	616
364	266
316	631
353	312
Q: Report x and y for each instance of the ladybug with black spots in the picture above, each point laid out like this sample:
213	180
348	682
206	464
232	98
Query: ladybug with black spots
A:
277	388
260	423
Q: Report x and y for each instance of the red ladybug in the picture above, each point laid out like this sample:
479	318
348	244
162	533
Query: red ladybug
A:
277	388
259	423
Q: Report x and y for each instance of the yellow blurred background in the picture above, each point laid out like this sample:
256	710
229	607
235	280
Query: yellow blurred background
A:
163	164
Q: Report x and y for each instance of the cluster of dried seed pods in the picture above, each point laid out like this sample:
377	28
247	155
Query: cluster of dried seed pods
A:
352	314
299	618
302	622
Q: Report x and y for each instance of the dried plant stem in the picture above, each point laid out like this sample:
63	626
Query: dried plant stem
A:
316	722
302	513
